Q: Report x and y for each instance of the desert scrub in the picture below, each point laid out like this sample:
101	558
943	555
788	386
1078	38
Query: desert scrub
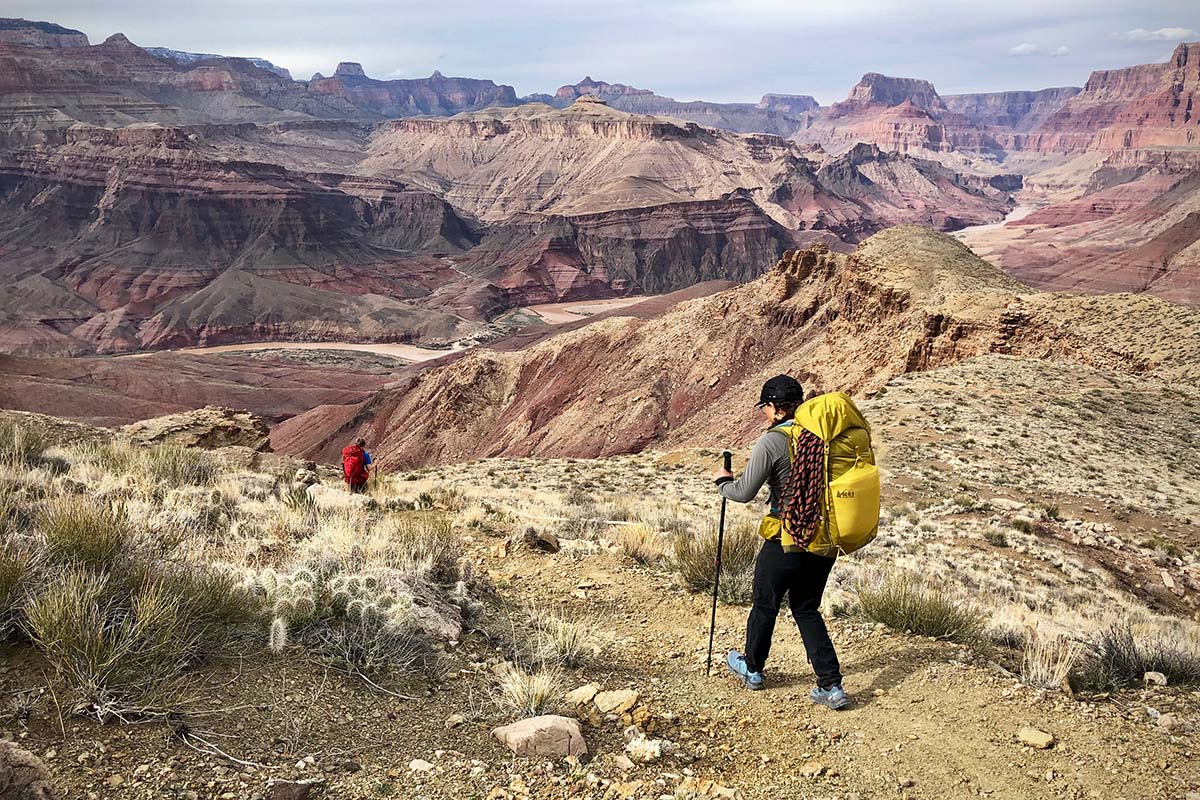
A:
1048	659
23	447
643	543
555	641
695	560
527	694
18	563
1118	658
173	466
905	602
122	644
78	530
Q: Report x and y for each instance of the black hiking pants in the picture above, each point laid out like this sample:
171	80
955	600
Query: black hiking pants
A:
802	577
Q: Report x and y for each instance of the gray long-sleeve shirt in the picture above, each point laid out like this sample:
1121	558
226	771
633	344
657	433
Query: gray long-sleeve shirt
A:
768	464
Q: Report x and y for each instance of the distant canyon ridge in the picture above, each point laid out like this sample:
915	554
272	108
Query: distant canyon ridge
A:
152	198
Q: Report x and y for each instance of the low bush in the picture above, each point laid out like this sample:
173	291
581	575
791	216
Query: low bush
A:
695	560
426	543
82	532
1116	659
904	602
21	446
173	466
120	653
17	564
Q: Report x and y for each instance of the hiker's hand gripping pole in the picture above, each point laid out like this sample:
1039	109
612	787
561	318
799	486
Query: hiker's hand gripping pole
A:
712	625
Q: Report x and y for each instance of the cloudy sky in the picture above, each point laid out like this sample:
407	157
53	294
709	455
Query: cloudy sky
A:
724	50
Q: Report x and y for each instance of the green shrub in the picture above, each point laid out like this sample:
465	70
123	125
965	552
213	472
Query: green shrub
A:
80	531
173	466
904	602
21	446
17	565
996	537
695	560
118	653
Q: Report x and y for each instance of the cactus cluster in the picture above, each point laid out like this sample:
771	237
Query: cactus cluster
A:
304	597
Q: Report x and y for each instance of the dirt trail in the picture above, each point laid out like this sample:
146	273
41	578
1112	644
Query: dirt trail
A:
931	719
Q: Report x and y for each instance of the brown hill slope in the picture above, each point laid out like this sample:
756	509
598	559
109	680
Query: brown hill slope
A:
907	299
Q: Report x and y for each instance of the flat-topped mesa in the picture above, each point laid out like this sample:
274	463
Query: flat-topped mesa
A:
788	103
40	34
589	87
184	58
588	117
877	89
436	95
349	69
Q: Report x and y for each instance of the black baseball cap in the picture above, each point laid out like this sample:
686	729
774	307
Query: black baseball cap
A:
781	389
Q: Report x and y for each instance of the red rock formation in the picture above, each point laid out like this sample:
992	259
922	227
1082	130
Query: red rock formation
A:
1135	107
906	300
899	114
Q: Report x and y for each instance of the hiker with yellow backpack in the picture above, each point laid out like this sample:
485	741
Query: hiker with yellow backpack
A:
817	460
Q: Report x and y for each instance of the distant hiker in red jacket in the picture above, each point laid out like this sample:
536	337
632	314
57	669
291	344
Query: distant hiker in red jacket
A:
356	463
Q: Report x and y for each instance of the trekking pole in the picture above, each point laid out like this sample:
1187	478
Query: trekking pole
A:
712	625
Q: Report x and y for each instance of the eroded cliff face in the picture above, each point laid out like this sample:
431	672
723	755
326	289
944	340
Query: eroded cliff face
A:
651	250
1150	105
40	34
143	239
435	95
908	299
1017	111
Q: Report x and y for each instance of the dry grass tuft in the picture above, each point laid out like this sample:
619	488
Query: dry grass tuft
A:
643	543
695	559
528	694
559	642
904	602
1048	659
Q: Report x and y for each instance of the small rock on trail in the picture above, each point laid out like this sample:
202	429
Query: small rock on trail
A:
547	735
1036	738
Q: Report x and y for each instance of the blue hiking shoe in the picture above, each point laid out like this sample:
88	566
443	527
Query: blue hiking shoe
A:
737	665
834	697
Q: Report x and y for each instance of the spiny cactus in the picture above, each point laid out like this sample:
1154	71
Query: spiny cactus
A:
278	640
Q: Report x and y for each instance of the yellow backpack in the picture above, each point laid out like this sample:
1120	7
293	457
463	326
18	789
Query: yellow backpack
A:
850	504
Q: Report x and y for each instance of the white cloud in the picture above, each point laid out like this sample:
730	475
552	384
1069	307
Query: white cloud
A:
1160	35
1061	50
1024	49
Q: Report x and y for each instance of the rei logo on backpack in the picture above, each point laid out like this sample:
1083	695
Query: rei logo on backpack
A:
830	505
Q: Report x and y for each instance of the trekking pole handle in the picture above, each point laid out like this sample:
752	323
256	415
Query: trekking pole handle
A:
728	456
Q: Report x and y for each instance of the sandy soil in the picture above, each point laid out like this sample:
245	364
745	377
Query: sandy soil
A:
557	313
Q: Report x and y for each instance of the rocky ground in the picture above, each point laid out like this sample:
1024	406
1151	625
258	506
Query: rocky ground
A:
1041	521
